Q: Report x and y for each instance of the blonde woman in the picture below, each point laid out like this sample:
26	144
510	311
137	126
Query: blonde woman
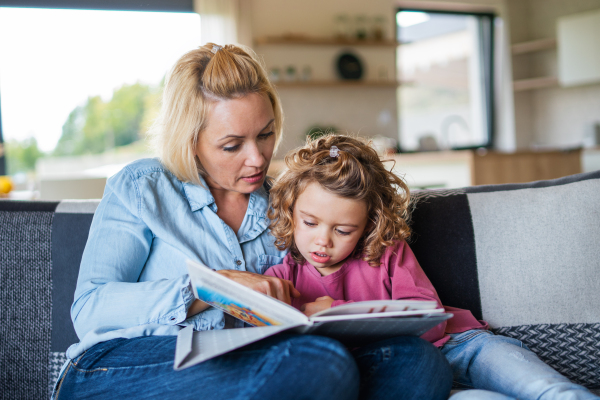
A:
204	199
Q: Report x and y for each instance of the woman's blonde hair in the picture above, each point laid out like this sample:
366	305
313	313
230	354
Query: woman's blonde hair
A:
200	77
356	173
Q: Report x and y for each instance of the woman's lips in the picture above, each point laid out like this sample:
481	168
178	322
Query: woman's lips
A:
254	178
320	258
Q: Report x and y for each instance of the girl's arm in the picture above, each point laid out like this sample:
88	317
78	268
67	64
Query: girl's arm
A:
409	282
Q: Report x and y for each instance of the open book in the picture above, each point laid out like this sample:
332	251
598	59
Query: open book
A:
353	324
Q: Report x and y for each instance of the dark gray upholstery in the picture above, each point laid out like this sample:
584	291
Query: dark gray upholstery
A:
467	241
26	298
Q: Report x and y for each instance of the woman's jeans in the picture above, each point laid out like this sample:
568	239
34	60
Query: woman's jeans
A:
280	367
505	369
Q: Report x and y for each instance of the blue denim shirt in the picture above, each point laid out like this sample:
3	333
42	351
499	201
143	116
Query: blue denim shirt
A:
133	279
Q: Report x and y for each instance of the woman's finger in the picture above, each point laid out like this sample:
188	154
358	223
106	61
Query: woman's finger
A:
283	292
269	285
292	290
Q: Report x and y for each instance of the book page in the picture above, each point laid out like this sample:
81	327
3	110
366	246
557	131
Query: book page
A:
195	347
239	301
353	332
387	314
380	306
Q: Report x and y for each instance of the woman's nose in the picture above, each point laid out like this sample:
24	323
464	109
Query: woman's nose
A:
254	157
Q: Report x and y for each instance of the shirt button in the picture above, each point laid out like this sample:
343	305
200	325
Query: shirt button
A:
238	262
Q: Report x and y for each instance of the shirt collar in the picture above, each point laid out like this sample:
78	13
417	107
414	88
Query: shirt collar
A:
199	196
255	222
258	203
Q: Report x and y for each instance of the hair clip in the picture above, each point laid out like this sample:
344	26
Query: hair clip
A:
334	152
216	48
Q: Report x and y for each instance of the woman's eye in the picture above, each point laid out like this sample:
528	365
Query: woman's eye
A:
231	148
267	135
343	233
309	223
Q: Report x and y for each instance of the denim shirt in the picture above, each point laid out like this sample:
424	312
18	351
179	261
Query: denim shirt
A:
133	279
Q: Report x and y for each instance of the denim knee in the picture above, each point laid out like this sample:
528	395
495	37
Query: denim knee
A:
403	368
432	358
315	367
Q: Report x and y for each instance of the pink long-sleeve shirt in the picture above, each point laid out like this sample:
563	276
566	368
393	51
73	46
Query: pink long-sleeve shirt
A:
399	277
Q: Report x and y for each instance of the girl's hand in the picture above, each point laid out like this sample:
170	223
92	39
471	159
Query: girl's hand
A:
281	289
320	304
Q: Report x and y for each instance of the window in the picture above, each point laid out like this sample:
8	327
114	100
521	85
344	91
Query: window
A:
444	64
80	82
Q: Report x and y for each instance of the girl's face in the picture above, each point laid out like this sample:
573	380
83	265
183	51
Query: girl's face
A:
236	147
327	227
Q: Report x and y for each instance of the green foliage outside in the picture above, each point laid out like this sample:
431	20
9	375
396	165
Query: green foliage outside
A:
98	126
21	155
95	127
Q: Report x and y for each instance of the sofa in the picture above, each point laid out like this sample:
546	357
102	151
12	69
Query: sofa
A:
524	257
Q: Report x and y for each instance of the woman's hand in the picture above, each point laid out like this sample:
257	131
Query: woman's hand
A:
320	304
281	289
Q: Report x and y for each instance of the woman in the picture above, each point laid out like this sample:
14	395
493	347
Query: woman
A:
206	200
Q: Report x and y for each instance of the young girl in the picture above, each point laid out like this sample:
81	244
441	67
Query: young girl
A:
343	217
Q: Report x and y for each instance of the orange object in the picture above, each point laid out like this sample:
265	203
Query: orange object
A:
5	185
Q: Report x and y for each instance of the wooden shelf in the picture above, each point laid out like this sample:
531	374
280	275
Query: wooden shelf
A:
340	83
316	41
535	83
533	46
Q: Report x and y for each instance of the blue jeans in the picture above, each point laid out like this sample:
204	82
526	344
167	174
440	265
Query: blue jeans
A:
504	368
280	367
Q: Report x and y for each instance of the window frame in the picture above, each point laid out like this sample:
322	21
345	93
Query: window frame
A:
488	51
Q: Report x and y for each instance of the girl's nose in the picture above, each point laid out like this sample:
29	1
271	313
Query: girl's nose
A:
322	239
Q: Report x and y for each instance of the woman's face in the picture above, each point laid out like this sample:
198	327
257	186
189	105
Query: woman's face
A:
236	147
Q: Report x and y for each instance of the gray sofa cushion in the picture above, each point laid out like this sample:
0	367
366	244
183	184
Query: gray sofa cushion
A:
70	228
41	244
523	257
25	315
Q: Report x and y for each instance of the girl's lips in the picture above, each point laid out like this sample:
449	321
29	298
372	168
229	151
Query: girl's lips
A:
254	178
320	259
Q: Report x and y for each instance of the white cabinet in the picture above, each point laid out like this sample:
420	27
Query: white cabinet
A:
579	48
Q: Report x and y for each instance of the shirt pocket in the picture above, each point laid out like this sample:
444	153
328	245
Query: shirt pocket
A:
266	261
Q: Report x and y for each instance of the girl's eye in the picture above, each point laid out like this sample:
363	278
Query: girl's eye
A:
343	233
309	223
266	135
231	148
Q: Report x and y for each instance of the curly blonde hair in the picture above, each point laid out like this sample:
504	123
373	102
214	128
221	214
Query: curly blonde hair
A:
356	173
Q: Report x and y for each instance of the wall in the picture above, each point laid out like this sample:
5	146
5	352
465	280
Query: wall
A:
368	111
555	117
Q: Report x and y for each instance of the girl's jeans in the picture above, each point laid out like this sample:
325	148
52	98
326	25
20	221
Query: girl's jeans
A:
280	367
505	369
